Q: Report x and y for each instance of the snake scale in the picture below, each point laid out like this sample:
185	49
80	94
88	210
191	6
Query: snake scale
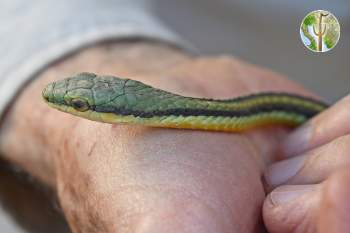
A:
114	100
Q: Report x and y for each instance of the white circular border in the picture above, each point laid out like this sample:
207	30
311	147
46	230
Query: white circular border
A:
300	31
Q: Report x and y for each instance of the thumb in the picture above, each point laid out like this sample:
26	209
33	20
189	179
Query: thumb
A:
322	208
292	208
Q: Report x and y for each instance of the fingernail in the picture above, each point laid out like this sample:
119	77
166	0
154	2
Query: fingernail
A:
289	193
281	172
297	141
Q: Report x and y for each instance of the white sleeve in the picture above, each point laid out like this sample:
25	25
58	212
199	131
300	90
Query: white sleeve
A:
33	34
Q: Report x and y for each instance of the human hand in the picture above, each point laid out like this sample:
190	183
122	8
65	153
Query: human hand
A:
124	178
313	179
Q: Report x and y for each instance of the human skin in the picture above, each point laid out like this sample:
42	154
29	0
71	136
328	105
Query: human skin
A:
313	178
126	178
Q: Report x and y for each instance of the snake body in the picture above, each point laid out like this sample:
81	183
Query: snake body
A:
114	100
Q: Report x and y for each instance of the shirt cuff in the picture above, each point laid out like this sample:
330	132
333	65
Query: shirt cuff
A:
32	49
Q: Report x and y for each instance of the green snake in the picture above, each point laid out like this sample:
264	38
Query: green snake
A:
114	100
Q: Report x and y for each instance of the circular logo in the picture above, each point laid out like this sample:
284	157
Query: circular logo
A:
320	31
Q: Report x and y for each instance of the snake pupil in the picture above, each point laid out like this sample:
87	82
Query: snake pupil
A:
80	105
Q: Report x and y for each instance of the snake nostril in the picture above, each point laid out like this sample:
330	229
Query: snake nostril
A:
46	92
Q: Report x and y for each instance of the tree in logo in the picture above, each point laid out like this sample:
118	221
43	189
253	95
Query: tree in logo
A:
320	32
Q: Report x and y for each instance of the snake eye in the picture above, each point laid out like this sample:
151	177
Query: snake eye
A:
80	105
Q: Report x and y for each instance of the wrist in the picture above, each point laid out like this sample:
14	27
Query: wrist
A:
32	134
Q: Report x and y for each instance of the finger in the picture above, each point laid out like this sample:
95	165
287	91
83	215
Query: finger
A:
311	167
332	123
335	205
292	208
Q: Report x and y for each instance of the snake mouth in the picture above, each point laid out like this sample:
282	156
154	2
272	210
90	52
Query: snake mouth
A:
46	98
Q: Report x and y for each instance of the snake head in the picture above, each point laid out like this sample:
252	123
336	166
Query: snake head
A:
74	92
83	93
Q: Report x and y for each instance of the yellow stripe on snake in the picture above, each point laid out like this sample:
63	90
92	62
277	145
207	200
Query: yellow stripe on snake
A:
110	99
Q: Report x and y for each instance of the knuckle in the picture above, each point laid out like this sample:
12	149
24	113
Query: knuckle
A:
333	153
346	100
340	144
